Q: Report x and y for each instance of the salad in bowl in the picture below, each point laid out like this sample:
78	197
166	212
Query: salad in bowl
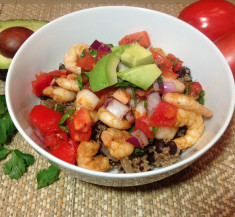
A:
130	106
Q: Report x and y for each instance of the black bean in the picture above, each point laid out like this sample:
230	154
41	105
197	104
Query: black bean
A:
173	147
159	145
183	71
151	158
62	66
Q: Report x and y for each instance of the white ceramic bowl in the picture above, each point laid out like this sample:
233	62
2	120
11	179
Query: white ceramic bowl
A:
44	50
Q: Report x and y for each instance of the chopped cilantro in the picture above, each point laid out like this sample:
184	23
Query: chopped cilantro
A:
47	176
155	129
175	62
80	84
125	84
201	98
145	104
134	95
138	152
3	152
65	117
131	129
7	128
60	108
93	53
83	54
16	166
159	80
187	89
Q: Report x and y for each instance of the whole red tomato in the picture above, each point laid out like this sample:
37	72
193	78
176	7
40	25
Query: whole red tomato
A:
214	18
226	44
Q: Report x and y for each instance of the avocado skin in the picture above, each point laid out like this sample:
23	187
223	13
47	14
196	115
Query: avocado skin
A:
30	24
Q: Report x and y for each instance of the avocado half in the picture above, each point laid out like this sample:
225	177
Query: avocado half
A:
30	24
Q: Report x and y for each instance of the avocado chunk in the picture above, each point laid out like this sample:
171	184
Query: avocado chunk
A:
136	55
104	73
142	76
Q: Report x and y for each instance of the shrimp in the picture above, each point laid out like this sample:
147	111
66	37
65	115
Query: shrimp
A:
195	128
186	102
86	157
166	133
59	94
69	83
115	140
179	86
72	56
111	120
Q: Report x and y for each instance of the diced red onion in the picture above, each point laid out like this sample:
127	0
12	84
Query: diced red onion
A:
153	100
100	46
107	101
135	141
167	87
140	134
130	117
117	108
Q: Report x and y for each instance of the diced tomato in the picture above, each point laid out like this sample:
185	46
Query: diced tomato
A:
65	151
141	37
44	79
87	62
194	89
165	115
145	124
177	63
143	93
168	73
45	119
160	60
82	120
100	54
51	139
83	136
77	135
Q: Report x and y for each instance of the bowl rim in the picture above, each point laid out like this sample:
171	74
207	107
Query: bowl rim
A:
75	168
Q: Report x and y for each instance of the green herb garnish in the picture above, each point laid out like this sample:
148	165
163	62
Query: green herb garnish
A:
65	117
159	80
7	128
18	163
3	152
138	152
93	53
60	108
131	129
80	84
47	176
134	95
125	84
187	89
201	98
155	129
145	104
83	54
